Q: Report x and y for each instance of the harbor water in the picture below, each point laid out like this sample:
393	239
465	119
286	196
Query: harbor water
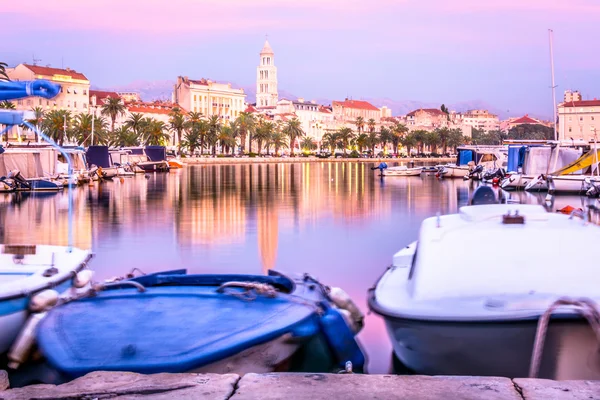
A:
339	222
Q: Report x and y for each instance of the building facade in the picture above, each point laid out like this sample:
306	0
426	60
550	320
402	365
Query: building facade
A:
348	110
479	119
577	118
266	78
74	88
209	98
426	118
315	119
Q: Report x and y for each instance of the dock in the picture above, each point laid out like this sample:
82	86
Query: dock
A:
290	160
302	386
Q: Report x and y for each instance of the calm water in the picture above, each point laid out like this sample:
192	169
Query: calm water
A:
337	221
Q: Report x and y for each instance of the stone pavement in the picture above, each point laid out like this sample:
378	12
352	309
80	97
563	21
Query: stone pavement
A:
127	385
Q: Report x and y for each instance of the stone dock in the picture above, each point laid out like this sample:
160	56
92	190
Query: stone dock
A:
303	386
288	160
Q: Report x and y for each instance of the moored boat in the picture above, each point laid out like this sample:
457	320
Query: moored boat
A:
487	158
174	322
402	170
452	308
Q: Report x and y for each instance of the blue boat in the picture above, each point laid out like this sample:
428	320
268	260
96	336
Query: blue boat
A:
174	322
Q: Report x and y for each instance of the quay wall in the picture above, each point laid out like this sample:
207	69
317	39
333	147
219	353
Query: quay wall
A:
268	160
304	386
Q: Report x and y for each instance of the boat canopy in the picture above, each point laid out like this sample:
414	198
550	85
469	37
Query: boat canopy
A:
156	153
28	163
588	159
465	156
98	156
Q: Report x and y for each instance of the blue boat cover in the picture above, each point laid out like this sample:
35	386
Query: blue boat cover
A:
98	156
173	328
156	153
464	156
138	151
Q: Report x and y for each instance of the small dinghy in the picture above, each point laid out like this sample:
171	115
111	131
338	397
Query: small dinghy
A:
174	322
26	271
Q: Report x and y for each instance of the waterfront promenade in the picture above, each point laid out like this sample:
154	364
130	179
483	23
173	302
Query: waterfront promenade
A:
266	160
304	386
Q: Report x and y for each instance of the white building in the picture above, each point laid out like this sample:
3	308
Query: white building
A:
209	98
577	118
266	78
479	119
315	119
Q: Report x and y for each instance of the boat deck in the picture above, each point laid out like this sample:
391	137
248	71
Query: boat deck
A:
121	385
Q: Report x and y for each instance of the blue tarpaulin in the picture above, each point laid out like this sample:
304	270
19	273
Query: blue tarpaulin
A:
464	156
156	153
514	159
98	156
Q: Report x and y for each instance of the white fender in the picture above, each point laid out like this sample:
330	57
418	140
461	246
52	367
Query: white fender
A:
353	314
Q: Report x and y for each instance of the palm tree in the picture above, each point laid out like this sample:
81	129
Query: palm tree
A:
455	138
38	117
360	124
155	132
278	140
7	105
361	141
82	128
214	130
409	142
124	137
263	132
385	136
432	139
177	122
113	108
54	125
331	140
371	125
191	139
398	132
135	122
3	74
227	139
293	129
372	141
420	137
246	123
444	134
345	135
308	144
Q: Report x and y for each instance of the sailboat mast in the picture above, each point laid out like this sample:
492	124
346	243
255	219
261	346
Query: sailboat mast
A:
551	37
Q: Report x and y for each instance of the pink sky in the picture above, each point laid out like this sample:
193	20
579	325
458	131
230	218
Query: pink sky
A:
432	50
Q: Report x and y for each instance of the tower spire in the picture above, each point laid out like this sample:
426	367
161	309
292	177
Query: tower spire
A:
266	77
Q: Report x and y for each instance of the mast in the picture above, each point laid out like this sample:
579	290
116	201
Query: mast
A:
551	37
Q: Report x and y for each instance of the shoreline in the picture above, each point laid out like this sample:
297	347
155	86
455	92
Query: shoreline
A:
289	160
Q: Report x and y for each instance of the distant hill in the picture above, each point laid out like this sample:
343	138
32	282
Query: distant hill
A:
162	90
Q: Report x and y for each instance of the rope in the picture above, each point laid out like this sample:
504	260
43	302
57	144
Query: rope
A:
253	290
583	306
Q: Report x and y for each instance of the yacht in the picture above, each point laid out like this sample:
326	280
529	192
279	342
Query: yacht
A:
487	158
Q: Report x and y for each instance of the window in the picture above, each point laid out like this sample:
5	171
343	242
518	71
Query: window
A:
61	89
75	104
20	102
592	117
74	91
84	92
569	129
570	119
581	118
84	105
28	102
195	98
47	102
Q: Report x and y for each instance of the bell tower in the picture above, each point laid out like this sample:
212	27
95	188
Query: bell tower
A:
266	78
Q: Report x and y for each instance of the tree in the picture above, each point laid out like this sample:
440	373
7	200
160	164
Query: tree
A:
371	125
445	110
278	140
191	139
124	137
214	130
155	132
113	108
455	138
227	139
409	141
54	125
82	129
3	74
345	135
38	117
331	140
135	122
372	141
420	137
443	133
246	123
177	122
432	140
7	105
263	132
531	132
385	136
398	132
293	129
361	141
360	124
308	144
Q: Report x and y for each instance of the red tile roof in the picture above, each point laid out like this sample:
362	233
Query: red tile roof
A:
49	71
101	94
250	109
357	104
433	111
525	120
582	103
156	107
324	109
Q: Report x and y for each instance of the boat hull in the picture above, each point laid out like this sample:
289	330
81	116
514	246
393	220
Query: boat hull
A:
568	184
516	182
494	348
151	166
402	172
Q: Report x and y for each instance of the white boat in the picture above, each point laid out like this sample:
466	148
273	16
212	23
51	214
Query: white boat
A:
490	158
453	307
526	163
402	170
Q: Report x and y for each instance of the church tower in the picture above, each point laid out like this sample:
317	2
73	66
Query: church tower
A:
266	78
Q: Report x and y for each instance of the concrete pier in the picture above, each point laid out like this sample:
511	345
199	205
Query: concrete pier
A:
288	160
127	385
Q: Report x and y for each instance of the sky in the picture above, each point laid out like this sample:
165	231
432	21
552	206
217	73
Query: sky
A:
439	51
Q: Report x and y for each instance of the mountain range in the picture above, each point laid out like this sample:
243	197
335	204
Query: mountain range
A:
162	90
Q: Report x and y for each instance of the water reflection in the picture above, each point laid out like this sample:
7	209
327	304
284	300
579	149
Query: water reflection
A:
338	221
